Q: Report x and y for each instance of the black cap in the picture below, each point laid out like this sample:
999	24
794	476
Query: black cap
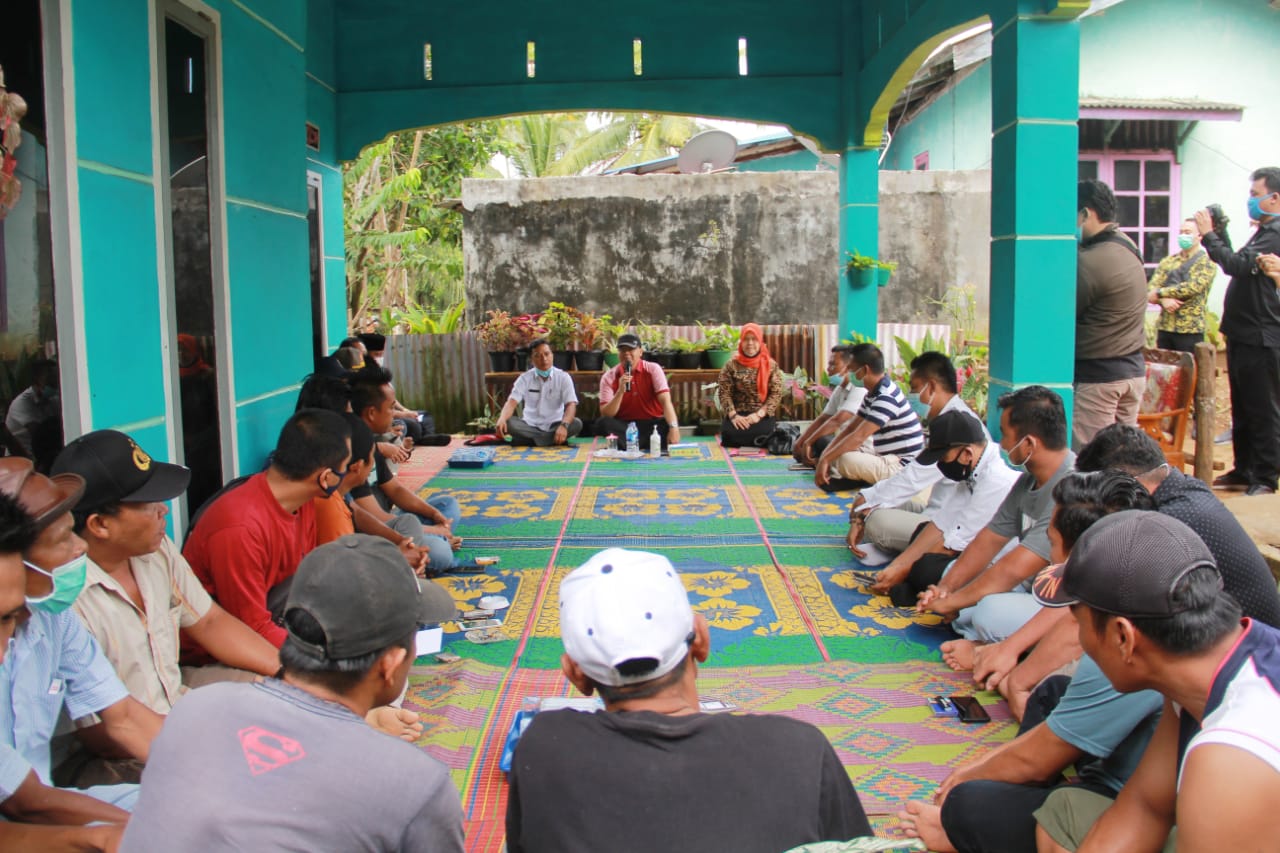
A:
364	596
948	430
628	341
373	341
117	470
1126	564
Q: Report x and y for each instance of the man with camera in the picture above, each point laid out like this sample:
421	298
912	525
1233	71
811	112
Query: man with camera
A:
1251	324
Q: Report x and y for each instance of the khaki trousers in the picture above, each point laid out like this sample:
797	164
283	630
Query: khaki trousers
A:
867	467
1101	404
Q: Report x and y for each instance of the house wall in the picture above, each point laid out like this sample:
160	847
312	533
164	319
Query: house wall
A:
271	83
1210	50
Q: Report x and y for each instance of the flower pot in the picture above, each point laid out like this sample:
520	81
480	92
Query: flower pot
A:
688	360
865	277
718	358
665	360
522	360
882	276
589	360
611	358
502	362
562	360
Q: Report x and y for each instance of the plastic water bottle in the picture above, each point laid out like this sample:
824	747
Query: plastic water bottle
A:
633	438
655	444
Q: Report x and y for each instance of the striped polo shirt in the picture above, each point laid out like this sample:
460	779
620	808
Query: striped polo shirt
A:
899	430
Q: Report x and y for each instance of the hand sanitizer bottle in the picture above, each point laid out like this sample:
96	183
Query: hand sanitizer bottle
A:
655	444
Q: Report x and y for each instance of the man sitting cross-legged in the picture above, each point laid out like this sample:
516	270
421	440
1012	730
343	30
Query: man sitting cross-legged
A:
550	403
289	763
889	513
960	449
385	497
247	544
1052	631
636	391
651	772
985	591
846	398
33	814
886	418
987	805
1152	613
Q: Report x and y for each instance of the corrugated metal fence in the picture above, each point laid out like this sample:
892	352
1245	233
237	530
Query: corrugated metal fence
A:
445	374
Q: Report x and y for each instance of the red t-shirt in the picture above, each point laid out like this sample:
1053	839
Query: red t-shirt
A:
244	544
641	402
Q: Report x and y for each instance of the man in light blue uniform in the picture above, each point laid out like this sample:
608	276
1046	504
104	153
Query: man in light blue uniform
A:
52	660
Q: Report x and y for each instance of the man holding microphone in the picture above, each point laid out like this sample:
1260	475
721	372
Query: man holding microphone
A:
637	391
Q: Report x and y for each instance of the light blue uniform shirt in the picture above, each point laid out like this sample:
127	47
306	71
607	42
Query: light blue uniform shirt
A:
53	660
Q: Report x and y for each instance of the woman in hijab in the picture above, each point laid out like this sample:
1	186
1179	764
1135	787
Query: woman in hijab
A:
750	390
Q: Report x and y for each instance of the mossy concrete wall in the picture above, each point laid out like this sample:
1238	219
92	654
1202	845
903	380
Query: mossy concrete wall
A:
732	247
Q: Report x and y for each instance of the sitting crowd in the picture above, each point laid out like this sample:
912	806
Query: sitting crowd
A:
1114	601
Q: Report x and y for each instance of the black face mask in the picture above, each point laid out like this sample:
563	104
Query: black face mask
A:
955	470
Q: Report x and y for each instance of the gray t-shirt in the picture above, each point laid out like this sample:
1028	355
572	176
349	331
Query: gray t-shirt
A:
1027	509
270	767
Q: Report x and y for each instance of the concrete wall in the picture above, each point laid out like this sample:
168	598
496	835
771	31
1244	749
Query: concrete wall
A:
937	227
731	247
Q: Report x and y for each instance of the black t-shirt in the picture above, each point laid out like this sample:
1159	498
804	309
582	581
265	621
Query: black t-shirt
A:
646	782
381	474
1244	573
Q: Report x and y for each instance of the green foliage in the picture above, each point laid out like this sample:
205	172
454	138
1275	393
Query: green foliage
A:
559	144
856	337
416	320
722	337
404	250
907	353
561	323
859	261
653	338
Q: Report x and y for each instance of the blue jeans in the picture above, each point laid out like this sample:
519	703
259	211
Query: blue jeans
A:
438	548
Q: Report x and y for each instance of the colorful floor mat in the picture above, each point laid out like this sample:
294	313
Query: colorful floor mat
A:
794	628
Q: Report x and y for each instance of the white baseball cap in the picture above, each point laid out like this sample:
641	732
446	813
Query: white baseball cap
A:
622	610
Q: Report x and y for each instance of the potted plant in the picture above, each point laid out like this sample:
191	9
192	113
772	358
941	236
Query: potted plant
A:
609	334
590	340
714	419
561	323
657	345
861	269
884	269
527	331
688	354
721	342
498	334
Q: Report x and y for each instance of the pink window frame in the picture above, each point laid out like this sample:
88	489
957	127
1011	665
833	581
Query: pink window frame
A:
1106	161
921	162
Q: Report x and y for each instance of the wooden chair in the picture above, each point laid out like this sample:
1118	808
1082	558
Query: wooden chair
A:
1166	406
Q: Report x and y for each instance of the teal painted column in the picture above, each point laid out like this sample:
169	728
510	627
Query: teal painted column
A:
1034	148
859	229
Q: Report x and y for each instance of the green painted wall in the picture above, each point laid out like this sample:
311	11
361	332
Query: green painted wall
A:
271	85
796	161
955	129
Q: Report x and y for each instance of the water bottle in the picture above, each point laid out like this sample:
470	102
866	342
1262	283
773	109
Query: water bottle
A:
633	438
655	444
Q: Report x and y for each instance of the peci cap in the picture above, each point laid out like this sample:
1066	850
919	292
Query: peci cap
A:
45	499
625	617
116	470
1126	564
364	597
373	342
628	341
948	430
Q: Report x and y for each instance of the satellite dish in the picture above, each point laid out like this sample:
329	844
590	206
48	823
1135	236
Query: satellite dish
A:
709	151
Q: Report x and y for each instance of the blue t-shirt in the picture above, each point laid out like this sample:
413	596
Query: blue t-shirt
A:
1115	727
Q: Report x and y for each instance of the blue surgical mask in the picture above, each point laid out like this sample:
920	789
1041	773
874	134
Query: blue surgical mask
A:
835	380
68	580
1186	241
1255	207
1008	456
1079	233
543	374
920	407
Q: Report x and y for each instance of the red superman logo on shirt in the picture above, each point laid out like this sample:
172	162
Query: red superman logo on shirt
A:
265	751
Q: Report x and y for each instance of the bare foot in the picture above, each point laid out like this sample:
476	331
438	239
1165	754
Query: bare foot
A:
924	821
958	654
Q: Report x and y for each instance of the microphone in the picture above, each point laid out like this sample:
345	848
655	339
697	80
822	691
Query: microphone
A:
626	369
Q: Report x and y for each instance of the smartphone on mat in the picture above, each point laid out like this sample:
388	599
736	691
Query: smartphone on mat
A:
471	625
971	710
